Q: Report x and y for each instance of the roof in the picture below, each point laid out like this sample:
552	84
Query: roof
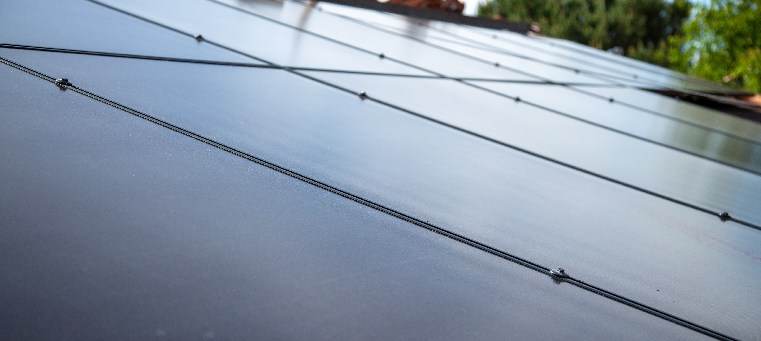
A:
258	169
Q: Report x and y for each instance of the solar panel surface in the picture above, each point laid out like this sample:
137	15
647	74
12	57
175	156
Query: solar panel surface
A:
525	180
121	229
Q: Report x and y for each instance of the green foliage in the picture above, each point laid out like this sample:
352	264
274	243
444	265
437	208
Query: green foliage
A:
633	25
659	54
722	43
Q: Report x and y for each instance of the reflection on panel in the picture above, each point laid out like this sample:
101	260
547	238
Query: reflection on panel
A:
681	110
455	60
723	147
71	24
259	37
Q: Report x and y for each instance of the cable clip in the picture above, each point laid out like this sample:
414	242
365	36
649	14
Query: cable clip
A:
724	216
559	273
63	83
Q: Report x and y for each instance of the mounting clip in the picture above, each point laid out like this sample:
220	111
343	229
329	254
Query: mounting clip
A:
559	273
724	216
62	83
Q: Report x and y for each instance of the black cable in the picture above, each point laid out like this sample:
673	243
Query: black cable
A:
504	144
263	66
64	84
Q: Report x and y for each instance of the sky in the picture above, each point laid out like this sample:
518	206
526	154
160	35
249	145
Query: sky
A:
471	7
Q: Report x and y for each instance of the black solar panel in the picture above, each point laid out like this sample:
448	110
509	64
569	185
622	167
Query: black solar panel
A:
278	177
122	229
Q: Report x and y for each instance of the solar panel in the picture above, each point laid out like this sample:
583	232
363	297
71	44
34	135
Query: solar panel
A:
122	229
223	212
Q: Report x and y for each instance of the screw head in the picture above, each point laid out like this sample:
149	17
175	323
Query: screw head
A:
61	82
198	37
517	98
382	55
496	64
724	216
559	272
576	70
362	95
611	100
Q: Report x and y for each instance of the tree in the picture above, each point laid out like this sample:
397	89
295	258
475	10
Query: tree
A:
577	20
632	25
722	43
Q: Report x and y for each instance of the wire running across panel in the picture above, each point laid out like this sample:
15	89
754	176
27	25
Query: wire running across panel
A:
116	228
471	186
